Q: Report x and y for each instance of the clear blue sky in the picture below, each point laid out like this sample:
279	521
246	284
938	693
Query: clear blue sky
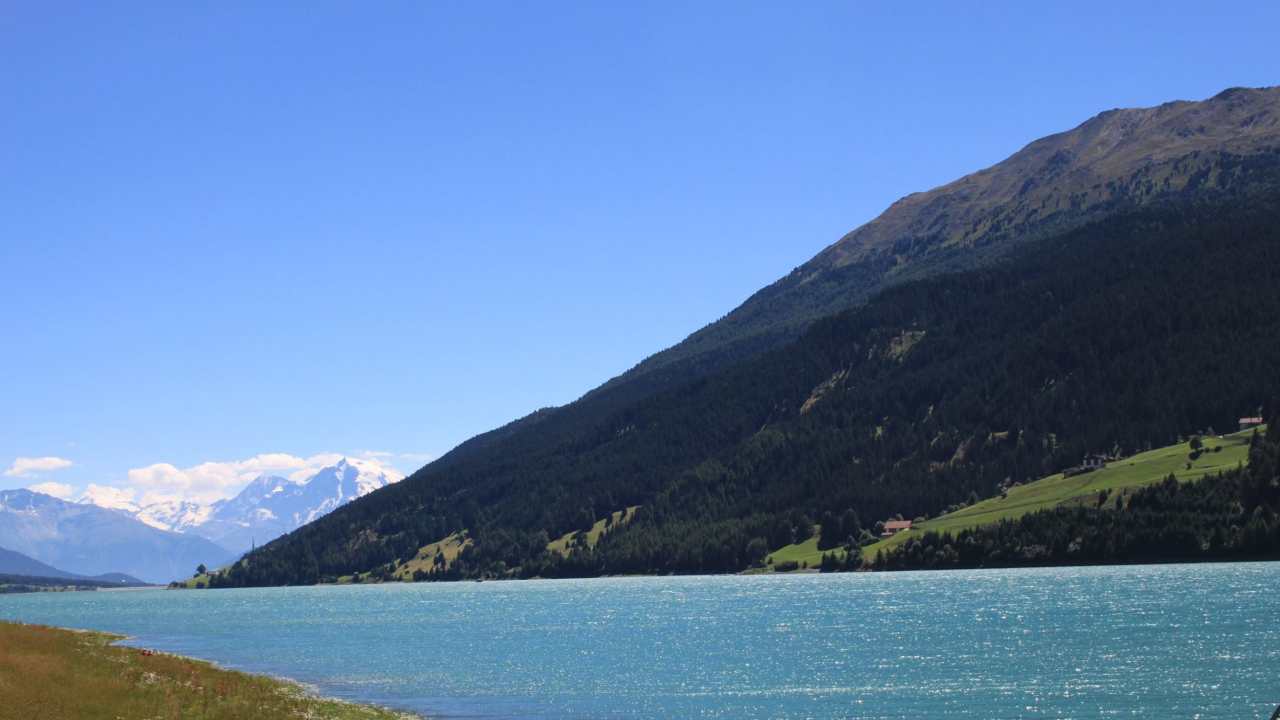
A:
233	230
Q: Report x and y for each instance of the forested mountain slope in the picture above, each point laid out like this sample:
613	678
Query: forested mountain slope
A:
1125	332
1114	162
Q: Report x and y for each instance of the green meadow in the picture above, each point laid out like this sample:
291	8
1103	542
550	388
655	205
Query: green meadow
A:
617	518
1117	479
805	555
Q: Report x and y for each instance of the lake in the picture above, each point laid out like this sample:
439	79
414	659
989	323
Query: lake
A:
1171	641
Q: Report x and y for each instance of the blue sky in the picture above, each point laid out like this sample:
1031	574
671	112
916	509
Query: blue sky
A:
323	228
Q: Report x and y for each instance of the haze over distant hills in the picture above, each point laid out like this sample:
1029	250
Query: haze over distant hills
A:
89	540
15	563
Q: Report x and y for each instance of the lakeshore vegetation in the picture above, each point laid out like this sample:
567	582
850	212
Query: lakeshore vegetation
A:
32	583
49	673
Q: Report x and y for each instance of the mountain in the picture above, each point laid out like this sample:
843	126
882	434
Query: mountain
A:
1118	160
14	563
268	507
918	362
88	540
175	515
271	506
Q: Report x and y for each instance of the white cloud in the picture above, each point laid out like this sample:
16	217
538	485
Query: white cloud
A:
56	489
215	480
26	466
109	497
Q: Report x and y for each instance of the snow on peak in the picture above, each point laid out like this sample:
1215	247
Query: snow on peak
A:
371	475
175	515
268	506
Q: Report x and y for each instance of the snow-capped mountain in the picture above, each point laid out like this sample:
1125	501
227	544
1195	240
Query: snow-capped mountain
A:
271	506
265	509
89	540
175	515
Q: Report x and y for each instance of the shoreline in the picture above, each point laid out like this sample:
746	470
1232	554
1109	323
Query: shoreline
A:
70	672
758	572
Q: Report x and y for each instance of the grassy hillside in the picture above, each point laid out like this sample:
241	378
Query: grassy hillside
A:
432	557
616	519
53	673
1229	516
805	555
1117	479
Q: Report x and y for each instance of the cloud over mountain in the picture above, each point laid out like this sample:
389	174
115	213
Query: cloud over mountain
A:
62	491
210	481
267	506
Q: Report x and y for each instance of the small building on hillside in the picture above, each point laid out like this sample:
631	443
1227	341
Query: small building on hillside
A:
1250	422
893	527
1094	462
1089	464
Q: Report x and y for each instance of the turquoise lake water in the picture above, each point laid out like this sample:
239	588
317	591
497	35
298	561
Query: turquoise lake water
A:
1173	641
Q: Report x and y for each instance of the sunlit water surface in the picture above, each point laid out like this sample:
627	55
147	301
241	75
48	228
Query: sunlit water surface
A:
1175	641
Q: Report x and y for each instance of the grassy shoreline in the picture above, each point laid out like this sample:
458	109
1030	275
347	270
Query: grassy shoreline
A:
52	673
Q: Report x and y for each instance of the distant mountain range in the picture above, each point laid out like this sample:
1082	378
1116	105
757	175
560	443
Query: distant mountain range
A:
268	507
89	540
159	542
15	563
1111	284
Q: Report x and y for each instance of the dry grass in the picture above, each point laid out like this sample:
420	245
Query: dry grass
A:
54	674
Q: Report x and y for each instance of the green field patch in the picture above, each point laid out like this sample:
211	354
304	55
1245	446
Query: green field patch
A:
805	555
432	557
617	518
191	583
1118	479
